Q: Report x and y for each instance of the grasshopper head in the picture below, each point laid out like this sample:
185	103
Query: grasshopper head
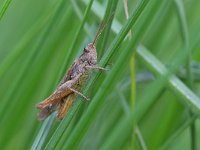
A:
90	54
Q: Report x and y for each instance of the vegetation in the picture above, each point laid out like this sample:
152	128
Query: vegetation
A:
149	98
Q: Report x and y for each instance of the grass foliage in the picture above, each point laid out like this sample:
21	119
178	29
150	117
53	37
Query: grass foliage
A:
149	98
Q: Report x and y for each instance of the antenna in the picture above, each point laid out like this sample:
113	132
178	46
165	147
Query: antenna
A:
102	28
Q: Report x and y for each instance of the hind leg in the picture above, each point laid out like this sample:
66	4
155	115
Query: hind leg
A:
65	105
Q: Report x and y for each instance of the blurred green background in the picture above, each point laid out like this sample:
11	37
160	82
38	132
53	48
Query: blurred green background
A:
149	98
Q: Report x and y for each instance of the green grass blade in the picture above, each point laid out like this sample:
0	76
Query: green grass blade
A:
4	8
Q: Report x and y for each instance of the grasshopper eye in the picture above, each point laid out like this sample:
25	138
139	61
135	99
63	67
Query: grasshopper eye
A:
86	50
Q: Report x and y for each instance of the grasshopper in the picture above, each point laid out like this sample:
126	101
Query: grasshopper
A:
64	95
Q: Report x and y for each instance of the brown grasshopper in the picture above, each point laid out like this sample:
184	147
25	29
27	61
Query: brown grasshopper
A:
65	94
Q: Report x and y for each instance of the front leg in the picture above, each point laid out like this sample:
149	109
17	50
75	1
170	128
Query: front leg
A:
96	67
